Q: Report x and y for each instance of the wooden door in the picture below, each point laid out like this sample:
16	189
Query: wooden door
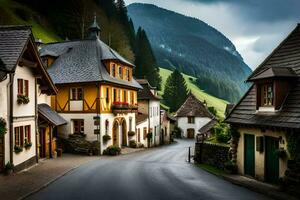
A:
2	154
249	156
271	160
42	140
115	134
191	133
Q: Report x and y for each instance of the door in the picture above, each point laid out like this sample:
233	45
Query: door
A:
271	160
191	133
115	133
1	153
124	133
42	140
249	156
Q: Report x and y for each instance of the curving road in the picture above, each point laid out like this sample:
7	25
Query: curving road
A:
158	173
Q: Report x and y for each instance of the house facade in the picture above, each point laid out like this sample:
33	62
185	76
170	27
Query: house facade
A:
149	105
167	127
97	93
268	114
192	116
23	79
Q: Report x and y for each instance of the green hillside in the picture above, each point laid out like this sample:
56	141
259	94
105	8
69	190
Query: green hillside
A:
13	13
219	104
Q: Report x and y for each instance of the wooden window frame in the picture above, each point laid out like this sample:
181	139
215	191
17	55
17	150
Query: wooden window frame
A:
78	126
27	134
113	70
76	94
107	95
191	120
120	72
125	96
23	87
267	101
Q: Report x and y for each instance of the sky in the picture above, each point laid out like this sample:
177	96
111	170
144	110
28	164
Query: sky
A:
255	27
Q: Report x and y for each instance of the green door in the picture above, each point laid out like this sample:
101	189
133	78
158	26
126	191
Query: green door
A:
271	160
249	157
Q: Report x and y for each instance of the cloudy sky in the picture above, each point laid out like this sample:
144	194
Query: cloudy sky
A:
256	27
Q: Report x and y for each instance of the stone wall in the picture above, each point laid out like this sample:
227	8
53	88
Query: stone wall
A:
211	154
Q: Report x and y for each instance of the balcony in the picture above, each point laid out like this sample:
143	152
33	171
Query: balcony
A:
123	107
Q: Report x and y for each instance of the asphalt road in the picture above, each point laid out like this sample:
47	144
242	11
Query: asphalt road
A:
158	173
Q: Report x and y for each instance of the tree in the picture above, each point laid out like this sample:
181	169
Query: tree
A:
146	66
176	91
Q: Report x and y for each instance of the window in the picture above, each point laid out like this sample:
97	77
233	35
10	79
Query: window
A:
132	98
23	87
19	136
27	135
127	74
267	95
145	133
78	126
124	96
107	95
120	72
115	95
113	70
191	120
76	94
139	135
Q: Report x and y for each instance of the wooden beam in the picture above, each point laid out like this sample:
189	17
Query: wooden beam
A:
27	63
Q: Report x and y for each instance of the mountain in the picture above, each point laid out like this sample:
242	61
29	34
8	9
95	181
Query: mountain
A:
193	47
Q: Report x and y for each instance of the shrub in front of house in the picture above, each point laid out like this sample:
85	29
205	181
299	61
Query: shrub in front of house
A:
281	153
9	167
231	167
3	128
132	144
140	145
18	149
131	133
106	138
22	99
177	132
112	151
221	132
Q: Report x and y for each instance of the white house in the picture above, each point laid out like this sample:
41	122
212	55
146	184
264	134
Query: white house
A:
192	116
167	126
148	105
22	79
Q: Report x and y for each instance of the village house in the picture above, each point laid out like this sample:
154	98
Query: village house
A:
97	93
148	115
269	113
167	127
24	83
192	116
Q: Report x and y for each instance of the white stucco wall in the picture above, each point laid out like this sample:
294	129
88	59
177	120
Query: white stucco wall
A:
154	118
141	127
184	125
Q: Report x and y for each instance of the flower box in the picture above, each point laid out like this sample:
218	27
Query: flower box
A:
22	99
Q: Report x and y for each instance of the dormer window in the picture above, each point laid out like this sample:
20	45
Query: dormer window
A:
127	74
120	72
113	70
267	95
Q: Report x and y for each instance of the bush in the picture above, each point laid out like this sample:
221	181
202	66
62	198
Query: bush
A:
112	151
140	145
177	132
131	133
221	132
106	138
3	128
212	110
149	135
281	153
8	169
292	145
132	144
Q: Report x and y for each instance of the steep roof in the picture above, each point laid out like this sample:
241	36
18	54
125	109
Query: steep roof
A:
207	127
193	107
286	55
50	115
82	61
145	93
14	42
228	109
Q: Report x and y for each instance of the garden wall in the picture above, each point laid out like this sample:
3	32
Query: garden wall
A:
211	154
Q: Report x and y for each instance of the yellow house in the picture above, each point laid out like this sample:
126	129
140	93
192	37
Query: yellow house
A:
267	117
97	93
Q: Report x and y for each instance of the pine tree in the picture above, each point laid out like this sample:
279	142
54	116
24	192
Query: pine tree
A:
146	66
176	91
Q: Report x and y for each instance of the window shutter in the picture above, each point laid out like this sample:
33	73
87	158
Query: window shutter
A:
17	142
26	88
22	136
29	134
20	86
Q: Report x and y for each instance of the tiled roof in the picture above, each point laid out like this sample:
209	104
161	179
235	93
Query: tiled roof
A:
82	61
141	118
208	126
287	55
228	109
193	107
50	115
12	42
145	93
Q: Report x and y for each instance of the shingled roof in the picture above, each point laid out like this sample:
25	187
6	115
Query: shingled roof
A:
145	93
50	115
286	55
193	107
12	42
81	61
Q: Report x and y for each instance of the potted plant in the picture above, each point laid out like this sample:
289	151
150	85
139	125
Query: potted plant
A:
22	99
27	145
106	138
149	135
8	169
281	153
112	151
230	167
3	128
132	144
18	149
131	133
